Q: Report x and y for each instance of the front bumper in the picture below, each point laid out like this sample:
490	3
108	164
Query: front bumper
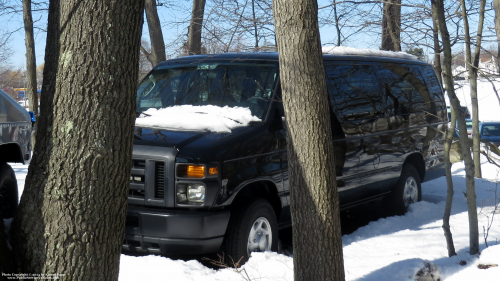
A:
172	233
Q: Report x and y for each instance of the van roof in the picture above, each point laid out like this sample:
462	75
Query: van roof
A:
336	54
348	51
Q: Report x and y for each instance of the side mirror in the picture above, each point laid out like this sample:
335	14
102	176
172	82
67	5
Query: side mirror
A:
32	115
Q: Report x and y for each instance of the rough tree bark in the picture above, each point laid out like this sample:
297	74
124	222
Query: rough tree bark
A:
472	68
469	164
31	90
194	37
155	34
391	25
71	218
314	198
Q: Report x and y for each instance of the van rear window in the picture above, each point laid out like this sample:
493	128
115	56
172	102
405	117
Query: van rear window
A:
355	92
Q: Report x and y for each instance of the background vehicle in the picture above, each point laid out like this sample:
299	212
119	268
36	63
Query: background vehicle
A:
468	123
490	131
15	146
198	188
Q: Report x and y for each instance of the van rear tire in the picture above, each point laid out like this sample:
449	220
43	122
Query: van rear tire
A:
8	191
407	191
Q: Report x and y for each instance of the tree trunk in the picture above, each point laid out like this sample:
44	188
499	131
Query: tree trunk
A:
31	90
71	218
496	7
391	26
469	164
437	47
448	139
314	198
155	33
194	39
472	67
449	184
256	32
476	146
337	24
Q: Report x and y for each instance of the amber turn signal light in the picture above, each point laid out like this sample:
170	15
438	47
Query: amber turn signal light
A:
195	171
191	171
213	171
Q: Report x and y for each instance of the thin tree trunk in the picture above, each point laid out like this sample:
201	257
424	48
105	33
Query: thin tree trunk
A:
31	90
469	164
437	47
496	7
337	27
236	27
194	37
155	33
448	140
449	191
314	198
475	104
472	69
391	25
256	33
71	218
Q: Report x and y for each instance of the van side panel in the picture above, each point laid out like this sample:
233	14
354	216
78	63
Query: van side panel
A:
360	111
386	113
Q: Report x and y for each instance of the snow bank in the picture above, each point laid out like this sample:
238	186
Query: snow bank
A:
348	51
197	118
262	266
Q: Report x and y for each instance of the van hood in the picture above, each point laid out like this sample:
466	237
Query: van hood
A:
206	146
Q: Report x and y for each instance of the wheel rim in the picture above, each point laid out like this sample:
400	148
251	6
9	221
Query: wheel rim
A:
260	237
410	194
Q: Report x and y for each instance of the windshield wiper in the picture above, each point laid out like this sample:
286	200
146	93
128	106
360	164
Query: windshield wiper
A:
222	116
138	114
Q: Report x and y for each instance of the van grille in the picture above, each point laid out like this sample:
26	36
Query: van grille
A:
137	179
160	180
143	183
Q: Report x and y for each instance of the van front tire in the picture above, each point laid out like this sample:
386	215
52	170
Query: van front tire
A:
8	191
253	227
408	190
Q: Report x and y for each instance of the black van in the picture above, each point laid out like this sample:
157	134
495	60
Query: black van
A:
15	146
195	189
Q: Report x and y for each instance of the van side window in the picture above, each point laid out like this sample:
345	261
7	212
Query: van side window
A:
434	86
354	92
404	91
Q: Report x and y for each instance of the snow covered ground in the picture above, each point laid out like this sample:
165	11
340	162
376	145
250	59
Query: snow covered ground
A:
393	248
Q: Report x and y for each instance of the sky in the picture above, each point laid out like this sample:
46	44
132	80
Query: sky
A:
175	19
390	249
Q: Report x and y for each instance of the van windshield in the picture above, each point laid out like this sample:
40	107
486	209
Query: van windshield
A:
221	84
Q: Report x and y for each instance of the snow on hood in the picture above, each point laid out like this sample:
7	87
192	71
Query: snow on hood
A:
348	51
196	118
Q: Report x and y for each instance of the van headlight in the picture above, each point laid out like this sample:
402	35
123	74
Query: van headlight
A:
191	192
